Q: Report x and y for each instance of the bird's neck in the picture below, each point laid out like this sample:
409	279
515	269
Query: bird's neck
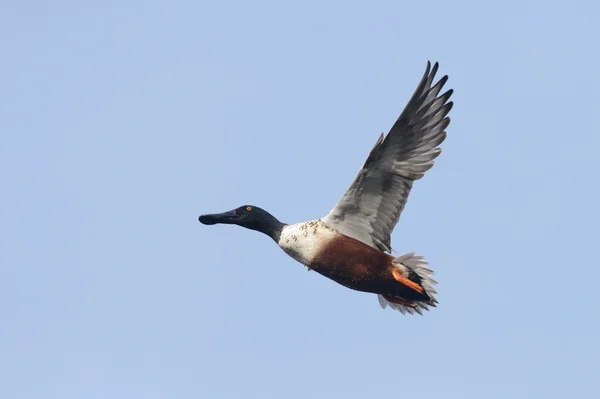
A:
271	227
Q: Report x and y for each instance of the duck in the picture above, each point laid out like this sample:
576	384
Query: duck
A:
351	245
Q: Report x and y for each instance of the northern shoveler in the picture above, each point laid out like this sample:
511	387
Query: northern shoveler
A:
351	245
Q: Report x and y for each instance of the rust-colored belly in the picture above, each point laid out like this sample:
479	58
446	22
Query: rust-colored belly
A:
356	265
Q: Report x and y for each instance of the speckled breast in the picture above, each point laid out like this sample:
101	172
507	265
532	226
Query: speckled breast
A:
343	259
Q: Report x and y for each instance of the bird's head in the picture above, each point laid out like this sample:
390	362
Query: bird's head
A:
248	216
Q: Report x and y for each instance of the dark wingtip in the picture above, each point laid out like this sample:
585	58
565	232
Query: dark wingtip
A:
443	81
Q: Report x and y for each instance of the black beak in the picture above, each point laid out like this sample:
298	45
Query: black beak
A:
225	217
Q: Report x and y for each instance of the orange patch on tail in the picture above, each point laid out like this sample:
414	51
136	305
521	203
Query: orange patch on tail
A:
403	280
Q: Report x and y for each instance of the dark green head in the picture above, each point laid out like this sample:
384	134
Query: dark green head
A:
248	216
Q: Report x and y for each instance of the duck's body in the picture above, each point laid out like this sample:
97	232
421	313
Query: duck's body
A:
351	244
348	261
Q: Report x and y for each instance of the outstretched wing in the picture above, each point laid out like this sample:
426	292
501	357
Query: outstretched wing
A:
371	207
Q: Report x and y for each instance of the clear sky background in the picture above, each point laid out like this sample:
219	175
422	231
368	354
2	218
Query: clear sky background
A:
122	121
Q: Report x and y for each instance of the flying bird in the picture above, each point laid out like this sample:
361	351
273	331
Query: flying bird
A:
351	245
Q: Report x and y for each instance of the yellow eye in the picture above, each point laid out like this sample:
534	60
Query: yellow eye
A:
249	208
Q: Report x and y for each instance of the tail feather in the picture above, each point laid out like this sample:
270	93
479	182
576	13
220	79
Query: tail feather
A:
420	267
415	269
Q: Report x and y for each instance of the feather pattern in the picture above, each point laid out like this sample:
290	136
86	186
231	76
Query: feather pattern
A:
371	207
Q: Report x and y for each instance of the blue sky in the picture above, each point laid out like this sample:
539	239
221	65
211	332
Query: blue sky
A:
123	121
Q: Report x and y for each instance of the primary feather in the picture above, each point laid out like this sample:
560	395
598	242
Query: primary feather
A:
371	207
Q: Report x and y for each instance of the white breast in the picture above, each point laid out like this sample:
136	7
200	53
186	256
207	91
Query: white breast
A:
303	241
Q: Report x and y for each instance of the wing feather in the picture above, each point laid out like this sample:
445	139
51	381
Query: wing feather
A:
371	207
